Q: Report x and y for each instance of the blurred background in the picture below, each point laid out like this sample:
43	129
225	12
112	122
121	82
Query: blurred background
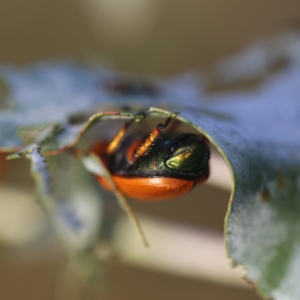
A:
141	37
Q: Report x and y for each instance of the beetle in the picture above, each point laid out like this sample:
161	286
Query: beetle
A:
159	166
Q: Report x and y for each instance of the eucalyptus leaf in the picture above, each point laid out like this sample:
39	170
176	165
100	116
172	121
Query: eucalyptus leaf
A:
79	206
258	134
65	95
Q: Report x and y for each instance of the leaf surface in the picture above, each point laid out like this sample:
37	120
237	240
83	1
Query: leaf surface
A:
258	134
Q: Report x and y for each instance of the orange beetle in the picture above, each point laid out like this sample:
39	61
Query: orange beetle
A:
156	167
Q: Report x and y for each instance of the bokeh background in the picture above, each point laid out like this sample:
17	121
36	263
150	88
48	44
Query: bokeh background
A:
153	37
142	37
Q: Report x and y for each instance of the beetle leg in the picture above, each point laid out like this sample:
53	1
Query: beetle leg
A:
113	145
151	138
118	138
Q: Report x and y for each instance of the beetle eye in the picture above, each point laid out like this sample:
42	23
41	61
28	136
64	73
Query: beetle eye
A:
187	153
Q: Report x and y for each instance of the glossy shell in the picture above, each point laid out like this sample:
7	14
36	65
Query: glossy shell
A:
173	165
151	189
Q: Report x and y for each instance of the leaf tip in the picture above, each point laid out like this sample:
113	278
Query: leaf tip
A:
13	156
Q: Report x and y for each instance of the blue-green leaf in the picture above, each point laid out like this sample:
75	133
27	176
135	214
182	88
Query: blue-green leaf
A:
258	134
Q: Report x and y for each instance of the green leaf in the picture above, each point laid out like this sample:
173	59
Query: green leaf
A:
262	222
257	133
66	95
259	139
78	213
69	197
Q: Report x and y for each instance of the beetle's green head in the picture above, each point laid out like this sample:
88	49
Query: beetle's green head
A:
187	154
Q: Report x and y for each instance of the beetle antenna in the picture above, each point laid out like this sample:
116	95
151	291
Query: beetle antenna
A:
152	137
113	145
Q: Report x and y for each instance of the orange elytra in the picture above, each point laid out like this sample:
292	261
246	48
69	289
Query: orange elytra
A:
159	166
